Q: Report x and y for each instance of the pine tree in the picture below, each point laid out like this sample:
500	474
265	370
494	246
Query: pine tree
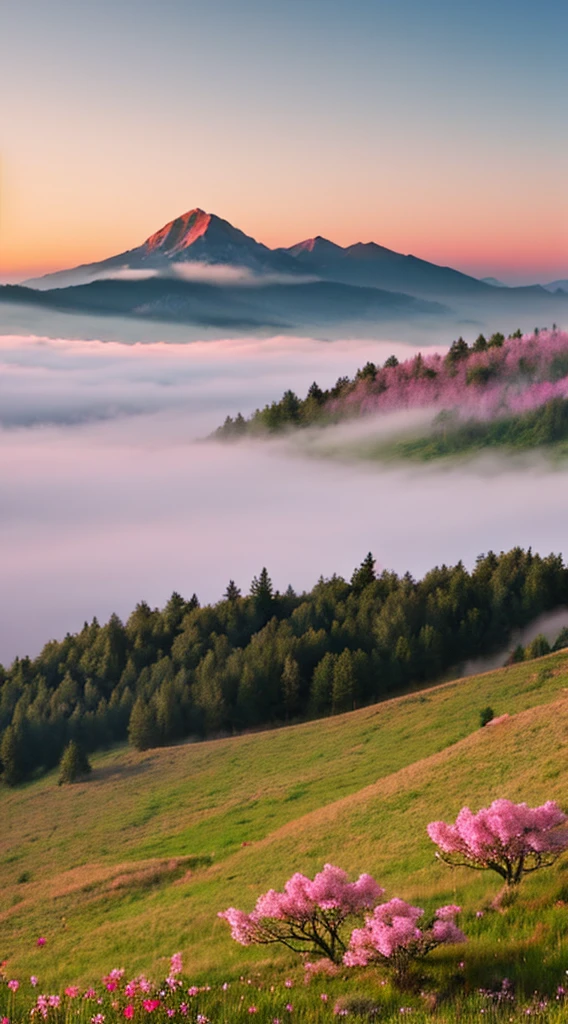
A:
74	763
291	685
343	693
142	727
232	592
11	756
364	575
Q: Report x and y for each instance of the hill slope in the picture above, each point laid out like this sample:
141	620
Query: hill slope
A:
134	864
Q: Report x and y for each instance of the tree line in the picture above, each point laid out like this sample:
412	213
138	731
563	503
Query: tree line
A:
263	658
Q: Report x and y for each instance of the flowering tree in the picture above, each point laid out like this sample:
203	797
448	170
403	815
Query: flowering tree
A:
308	915
511	839
392	936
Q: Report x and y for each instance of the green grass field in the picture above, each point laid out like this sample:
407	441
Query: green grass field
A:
133	865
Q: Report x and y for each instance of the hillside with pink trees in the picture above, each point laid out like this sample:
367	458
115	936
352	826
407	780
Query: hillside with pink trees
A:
509	392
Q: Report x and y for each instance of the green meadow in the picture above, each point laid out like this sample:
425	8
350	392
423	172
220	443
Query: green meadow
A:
133	865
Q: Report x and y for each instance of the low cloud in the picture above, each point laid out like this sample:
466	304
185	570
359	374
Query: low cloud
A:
127	506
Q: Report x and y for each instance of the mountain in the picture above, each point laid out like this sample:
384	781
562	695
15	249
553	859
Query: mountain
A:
200	269
557	286
495	282
194	237
276	305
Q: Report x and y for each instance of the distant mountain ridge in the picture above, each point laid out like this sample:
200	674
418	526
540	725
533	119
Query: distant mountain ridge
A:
314	281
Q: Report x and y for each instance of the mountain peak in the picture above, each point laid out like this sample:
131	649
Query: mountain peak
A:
318	244
179	234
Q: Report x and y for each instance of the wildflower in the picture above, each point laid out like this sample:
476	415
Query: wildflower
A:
72	991
480	913
55	1001
176	965
170	1013
183	1009
324	997
130	989
111	986
172	982
128	1011
193	990
202	1019
13	985
253	1009
40	941
5	1020
288	983
225	986
90	994
289	1007
150	1005
99	1018
33	981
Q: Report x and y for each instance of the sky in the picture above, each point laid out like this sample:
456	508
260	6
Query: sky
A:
429	126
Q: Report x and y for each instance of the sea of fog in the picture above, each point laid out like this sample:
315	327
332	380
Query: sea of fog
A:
108	495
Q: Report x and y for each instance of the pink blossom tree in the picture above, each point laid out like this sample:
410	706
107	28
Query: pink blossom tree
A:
393	936
308	915
511	839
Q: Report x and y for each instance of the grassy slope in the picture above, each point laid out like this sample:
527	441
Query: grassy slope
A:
98	867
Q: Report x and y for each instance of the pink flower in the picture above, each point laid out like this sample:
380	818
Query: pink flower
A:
252	1009
5	1020
289	1007
55	1002
193	991
130	989
183	1009
176	965
33	981
288	983
99	1018
90	994
150	1005
72	991
324	997
40	941
13	985
128	1011
170	1013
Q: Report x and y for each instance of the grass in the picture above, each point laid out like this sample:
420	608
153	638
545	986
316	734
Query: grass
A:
134	864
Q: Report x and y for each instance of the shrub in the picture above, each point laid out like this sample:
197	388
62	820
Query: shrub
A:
485	716
392	937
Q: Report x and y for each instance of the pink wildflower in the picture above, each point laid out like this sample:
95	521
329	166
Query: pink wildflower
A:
33	981
72	991
99	1018
150	1005
252	1009
90	994
183	1009
170	1013
176	965
288	983
55	1002
193	990
128	1011
13	985
40	941
289	1007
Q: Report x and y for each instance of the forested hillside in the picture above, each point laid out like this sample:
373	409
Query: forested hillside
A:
264	658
